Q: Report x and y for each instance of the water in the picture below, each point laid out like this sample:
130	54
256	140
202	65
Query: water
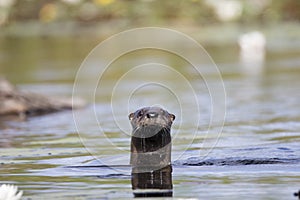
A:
257	156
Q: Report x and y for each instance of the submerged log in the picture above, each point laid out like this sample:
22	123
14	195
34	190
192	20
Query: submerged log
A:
23	104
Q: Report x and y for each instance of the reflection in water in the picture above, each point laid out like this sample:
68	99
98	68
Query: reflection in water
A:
157	183
252	52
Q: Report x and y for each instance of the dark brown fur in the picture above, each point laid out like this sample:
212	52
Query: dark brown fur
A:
151	137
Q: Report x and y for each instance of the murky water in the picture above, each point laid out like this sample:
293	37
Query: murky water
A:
257	156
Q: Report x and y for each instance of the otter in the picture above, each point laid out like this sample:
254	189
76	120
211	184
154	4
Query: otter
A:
151	152
151	137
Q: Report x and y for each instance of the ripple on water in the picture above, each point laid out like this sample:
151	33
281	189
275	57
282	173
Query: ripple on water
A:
238	161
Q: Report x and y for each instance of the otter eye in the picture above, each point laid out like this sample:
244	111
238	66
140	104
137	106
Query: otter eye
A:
140	113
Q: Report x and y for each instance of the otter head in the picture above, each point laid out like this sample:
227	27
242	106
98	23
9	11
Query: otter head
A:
149	121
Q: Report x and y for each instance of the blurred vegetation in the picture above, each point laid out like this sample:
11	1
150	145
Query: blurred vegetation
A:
146	12
76	26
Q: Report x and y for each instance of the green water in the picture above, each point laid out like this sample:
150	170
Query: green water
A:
262	122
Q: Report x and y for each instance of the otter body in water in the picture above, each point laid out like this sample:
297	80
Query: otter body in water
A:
151	152
151	137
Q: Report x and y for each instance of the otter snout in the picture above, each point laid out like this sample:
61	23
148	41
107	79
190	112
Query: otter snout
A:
152	115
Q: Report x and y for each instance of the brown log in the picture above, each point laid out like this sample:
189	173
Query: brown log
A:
22	103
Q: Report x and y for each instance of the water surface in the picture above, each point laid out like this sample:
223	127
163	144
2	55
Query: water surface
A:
257	156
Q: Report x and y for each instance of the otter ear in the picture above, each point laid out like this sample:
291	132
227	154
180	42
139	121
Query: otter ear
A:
130	116
172	117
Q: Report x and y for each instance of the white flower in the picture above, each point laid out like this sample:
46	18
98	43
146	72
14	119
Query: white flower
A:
10	192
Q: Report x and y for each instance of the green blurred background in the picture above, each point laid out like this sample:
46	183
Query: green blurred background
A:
134	13
46	40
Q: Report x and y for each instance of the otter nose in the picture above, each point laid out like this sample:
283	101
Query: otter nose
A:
152	115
